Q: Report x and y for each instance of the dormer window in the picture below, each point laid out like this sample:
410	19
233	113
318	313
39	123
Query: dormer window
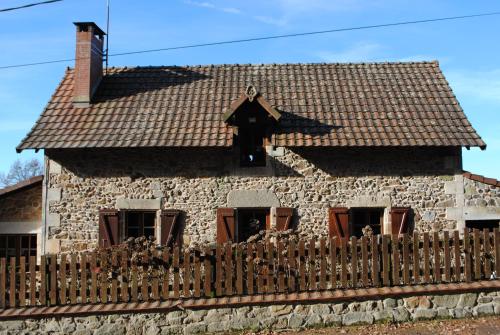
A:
252	119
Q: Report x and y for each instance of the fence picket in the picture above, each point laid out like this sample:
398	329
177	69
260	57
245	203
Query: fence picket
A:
165	286
186	275
385	260
32	293
437	257
250	268
83	277
312	265
218	270
375	270
43	280
467	257
228	275
416	258
322	266
343	263
292	264
354	261
53	280
124	276
176	271
333	263
155	285
239	269
103	278
207	269
270	268
487	255
302	265
134	286
260	268
456	250
93	277
22	281
280	267
114	277
447	259
395	259
406	260
197	275
477	254
364	261
74	280
12	283
3	281
427	271
144	277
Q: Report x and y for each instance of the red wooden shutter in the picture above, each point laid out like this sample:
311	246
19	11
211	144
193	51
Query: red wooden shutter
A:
400	220
283	218
109	227
338	222
170	227
226	226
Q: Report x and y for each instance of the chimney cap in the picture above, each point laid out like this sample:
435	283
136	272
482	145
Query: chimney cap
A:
85	25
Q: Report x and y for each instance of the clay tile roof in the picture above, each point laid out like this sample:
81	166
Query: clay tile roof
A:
22	184
369	104
482	179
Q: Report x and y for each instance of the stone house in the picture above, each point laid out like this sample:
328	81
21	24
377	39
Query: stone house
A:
199	154
21	218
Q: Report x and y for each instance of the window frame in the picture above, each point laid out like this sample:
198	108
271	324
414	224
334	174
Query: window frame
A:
125	225
241	210
353	211
18	245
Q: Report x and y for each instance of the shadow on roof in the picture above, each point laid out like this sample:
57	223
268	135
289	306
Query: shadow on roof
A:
125	82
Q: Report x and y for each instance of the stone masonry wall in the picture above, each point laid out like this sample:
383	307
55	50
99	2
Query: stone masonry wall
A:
480	194
22	205
198	181
261	318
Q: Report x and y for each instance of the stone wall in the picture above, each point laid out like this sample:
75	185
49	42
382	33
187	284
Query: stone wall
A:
261	318
22	205
481	194
198	182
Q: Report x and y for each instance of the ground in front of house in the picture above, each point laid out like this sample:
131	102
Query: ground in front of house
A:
477	326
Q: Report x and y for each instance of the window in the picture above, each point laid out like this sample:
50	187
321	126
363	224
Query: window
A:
139	223
252	221
252	149
482	224
362	217
238	224
16	245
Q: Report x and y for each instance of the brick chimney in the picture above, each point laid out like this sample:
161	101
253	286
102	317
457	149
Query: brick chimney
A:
88	64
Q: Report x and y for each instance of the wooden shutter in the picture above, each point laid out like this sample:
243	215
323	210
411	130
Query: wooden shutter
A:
283	218
400	220
338	222
170	227
109	227
226	226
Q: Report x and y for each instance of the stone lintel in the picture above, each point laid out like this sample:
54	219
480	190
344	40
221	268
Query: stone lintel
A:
122	203
377	200
252	198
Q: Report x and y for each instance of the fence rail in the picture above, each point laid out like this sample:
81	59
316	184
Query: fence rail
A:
282	266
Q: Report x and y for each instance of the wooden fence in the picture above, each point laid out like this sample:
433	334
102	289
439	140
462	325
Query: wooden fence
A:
250	269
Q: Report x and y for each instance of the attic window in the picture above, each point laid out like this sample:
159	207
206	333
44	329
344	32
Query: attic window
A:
251	146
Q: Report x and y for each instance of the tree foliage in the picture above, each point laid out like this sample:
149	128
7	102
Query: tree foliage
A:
21	170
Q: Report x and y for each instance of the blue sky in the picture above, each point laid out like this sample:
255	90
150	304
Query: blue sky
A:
467	50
